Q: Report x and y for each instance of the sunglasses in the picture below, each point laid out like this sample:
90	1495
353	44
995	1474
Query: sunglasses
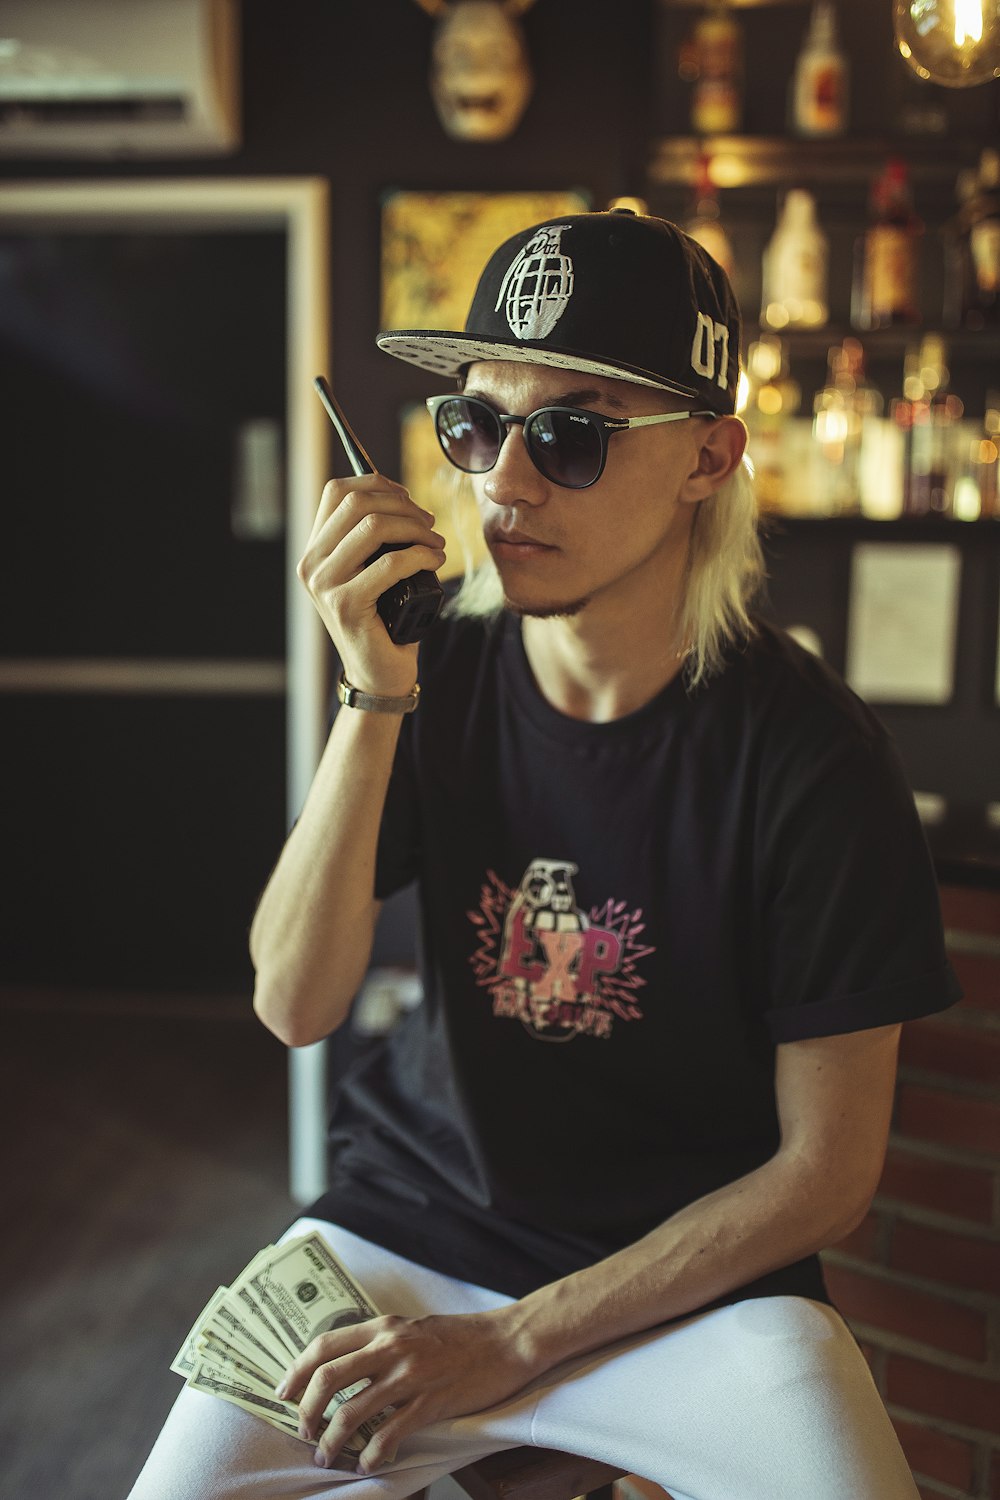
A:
566	444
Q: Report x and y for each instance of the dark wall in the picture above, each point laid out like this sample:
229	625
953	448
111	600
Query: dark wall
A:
338	88
137	832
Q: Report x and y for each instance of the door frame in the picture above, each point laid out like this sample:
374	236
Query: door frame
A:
298	206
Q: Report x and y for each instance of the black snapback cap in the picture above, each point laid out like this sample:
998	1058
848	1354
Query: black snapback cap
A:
616	293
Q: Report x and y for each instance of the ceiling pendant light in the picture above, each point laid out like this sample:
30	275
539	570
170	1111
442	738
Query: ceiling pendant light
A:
954	42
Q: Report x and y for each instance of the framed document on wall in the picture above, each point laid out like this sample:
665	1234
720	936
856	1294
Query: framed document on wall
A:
902	621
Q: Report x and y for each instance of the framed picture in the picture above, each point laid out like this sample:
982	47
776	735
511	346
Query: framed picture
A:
902	621
434	246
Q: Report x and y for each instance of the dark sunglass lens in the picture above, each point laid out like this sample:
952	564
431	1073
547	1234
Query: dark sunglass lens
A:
566	445
470	434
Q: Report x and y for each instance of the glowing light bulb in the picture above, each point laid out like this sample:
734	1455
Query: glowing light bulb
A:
953	42
968	23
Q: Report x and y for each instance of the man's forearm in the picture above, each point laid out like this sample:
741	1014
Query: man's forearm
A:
834	1102
312	933
770	1218
447	1365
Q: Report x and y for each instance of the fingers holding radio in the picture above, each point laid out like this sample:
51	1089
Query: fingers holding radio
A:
362	487
368	535
345	503
357	516
377	531
385	545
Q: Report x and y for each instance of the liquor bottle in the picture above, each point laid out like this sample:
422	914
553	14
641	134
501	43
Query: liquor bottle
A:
977	489
717	57
704	223
901	413
988	460
844	413
886	266
960	294
820	81
795	267
772	400
984	244
934	435
975	493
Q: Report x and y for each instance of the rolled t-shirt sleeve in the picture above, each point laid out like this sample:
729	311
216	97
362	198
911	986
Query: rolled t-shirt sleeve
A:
850	916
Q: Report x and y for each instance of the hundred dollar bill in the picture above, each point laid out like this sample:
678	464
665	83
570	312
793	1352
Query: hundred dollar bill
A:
229	1323
256	1325
229	1318
219	1379
302	1290
248	1334
187	1356
220	1352
215	1382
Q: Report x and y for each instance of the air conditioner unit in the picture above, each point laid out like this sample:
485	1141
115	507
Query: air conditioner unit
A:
119	78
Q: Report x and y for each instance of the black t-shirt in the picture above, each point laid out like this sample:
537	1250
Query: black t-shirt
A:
619	922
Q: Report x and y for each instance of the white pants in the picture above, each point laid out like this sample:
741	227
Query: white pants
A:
768	1399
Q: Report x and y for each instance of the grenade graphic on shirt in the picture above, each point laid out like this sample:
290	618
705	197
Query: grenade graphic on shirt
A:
559	970
536	290
545	902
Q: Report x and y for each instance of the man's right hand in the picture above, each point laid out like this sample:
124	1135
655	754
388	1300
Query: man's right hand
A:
356	517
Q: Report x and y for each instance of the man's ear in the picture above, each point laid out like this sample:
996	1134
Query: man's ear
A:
721	445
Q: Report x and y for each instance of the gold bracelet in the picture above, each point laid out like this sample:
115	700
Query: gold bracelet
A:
373	703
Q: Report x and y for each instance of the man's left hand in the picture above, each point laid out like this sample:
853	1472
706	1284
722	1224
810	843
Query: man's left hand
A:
426	1369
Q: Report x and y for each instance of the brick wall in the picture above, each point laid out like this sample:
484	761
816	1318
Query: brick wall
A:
919	1280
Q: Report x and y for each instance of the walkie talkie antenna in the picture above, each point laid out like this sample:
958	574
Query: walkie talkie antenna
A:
409	608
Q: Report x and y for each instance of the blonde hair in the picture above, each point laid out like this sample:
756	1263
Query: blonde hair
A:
724	571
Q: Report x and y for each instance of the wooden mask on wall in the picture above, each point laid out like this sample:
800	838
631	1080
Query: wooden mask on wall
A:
481	78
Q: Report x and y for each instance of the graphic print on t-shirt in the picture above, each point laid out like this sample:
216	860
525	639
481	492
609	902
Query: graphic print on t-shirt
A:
557	969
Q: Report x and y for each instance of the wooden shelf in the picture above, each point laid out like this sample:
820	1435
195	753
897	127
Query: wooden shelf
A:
736	4
775	525
746	161
980	346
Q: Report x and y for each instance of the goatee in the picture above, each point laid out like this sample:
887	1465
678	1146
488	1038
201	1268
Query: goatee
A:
547	611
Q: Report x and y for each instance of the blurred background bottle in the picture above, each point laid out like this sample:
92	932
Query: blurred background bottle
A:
819	88
845	413
772	400
988	460
795	267
960	277
972	248
934	435
884	293
713	59
901	409
977	482
983	308
704	222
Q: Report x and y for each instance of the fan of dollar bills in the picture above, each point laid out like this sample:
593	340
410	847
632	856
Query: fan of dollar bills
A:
248	1335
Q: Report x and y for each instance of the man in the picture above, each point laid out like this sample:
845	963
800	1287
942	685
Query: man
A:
675	905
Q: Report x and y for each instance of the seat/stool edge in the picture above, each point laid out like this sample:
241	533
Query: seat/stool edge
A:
528	1473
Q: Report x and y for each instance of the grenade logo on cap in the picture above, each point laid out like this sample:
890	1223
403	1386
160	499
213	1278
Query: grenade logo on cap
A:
536	290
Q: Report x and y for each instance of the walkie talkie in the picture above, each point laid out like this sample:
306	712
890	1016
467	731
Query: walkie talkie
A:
410	607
